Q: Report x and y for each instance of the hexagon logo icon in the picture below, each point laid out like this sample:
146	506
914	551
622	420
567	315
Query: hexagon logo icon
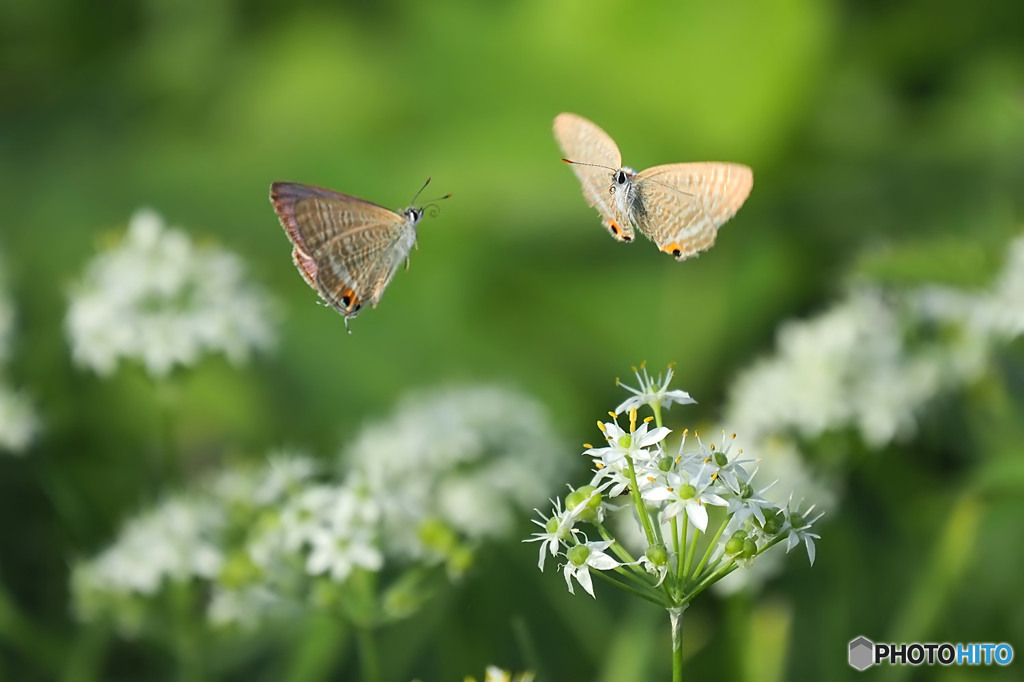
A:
862	653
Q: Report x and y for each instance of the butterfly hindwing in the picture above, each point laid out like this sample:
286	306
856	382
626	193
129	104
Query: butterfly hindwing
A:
682	205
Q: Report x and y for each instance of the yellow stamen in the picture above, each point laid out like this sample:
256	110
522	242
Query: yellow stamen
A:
712	447
648	420
599	465
714	477
732	436
686	431
632	419
643	364
651	479
600	425
633	367
670	489
679	459
588	446
613	415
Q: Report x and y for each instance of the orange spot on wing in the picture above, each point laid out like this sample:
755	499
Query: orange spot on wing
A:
673	248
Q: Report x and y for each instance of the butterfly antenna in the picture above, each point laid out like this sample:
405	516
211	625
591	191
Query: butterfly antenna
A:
595	165
432	209
413	202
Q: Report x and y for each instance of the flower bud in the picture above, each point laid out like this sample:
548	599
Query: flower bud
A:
578	554
657	554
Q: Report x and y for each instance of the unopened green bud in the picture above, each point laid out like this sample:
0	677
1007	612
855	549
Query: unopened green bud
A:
578	554
657	554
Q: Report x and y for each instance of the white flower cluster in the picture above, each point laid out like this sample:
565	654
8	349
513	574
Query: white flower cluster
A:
419	492
159	299
670	496
468	458
18	421
870	364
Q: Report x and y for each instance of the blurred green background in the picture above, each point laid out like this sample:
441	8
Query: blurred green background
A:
871	127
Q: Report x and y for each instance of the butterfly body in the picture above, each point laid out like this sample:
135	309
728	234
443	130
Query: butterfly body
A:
678	206
346	248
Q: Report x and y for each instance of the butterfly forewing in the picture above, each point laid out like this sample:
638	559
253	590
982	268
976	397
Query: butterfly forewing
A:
346	248
584	142
682	205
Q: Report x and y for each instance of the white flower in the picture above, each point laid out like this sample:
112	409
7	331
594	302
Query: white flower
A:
173	541
797	528
558	528
159	299
653	392
634	443
583	557
18	421
689	494
346	538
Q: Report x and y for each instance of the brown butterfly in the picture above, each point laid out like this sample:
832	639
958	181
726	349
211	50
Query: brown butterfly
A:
679	206
346	248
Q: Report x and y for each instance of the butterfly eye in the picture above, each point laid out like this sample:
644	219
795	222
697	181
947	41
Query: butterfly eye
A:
620	178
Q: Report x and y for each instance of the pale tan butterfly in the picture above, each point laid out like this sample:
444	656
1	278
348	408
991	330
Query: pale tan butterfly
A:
678	206
346	248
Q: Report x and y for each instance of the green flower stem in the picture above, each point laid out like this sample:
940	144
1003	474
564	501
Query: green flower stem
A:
690	552
724	569
675	616
676	547
188	642
680	569
711	545
368	660
19	633
641	508
645	595
616	546
640	580
656	409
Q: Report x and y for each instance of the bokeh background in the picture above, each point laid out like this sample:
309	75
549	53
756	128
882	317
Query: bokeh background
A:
887	140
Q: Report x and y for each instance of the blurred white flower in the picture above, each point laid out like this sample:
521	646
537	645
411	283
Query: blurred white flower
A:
19	423
345	537
469	457
159	299
175	541
846	368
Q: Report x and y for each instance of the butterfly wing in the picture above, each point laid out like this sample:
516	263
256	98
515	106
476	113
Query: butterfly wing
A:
346	248
680	206
583	141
